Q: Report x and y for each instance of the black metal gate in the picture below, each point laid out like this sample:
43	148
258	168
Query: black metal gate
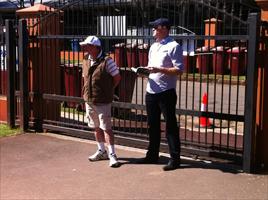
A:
9	74
219	41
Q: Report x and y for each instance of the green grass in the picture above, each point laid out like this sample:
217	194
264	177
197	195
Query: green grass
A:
70	110
66	61
213	77
6	131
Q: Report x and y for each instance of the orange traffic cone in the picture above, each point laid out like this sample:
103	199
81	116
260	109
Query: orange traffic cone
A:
204	121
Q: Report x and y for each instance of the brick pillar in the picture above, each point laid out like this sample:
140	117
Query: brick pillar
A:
262	96
3	108
212	27
44	61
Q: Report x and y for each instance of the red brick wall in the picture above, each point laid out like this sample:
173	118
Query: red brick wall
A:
3	108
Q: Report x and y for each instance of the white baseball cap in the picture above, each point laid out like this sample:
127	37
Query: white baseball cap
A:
93	40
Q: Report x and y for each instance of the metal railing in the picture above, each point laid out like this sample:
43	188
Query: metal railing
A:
225	75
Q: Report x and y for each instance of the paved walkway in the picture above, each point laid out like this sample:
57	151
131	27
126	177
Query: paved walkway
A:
48	166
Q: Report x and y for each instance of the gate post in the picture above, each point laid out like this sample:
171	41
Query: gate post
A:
23	69
249	154
11	65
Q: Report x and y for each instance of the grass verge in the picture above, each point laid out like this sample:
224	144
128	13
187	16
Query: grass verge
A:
6	131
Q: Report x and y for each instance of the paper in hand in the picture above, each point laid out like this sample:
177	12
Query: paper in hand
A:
141	70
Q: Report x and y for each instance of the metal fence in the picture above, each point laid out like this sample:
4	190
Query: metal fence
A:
219	46
3	75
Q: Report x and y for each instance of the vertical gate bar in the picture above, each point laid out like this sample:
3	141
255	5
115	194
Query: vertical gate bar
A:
187	78
251	93
230	89
11	65
23	69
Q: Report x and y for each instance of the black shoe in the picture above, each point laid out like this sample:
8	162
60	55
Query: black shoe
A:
147	160
172	165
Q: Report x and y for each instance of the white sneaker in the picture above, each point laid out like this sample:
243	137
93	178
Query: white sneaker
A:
113	160
99	155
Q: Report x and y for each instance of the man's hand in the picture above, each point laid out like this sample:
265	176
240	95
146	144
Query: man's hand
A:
154	69
164	70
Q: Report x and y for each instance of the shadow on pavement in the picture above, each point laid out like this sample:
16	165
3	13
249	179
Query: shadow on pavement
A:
187	163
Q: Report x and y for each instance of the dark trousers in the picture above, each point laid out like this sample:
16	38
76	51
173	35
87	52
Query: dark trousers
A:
164	102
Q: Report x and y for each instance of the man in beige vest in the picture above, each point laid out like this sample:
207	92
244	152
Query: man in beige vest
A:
101	76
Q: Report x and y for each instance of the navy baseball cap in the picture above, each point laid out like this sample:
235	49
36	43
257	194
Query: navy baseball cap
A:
160	22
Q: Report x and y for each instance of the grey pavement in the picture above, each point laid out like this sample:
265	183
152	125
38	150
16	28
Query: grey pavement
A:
49	166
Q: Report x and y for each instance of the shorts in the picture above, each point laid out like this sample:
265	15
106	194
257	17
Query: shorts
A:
99	116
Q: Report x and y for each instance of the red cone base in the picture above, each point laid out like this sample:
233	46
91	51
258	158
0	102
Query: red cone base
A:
204	121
